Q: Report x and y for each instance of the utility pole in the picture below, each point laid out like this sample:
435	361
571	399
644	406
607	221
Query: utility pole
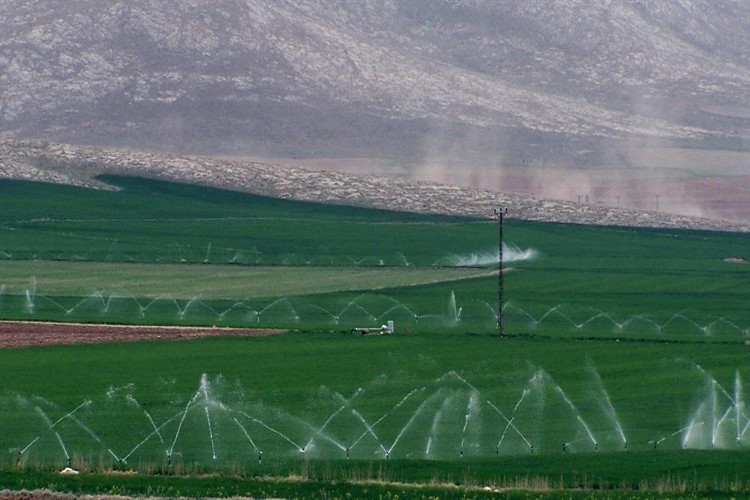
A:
500	213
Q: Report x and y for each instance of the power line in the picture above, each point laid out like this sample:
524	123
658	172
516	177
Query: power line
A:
500	213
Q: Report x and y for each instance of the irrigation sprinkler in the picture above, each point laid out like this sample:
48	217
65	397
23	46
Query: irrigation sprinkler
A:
500	213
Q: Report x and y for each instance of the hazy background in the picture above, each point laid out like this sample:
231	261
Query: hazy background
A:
629	102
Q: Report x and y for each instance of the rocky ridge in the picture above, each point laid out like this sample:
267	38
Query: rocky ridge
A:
77	165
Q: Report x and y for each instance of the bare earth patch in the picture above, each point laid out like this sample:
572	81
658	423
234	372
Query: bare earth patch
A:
15	334
53	495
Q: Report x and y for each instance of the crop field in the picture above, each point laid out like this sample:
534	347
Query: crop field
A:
624	359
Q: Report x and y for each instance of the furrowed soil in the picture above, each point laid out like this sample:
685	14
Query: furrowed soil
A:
16	334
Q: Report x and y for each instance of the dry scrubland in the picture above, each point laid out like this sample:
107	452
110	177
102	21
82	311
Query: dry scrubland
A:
77	165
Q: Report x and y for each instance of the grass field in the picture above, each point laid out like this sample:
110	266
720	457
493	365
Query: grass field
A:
584	281
625	363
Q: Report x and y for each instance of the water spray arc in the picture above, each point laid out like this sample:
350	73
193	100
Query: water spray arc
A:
444	418
123	305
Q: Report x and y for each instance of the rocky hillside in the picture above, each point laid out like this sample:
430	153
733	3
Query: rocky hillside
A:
527	80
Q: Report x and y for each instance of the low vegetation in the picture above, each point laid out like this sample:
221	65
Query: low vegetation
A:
623	368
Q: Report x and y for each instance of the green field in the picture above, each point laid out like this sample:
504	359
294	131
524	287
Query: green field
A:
624	364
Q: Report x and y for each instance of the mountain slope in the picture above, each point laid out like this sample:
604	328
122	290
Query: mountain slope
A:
390	77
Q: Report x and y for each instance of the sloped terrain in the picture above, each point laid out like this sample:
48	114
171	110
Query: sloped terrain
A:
78	165
560	82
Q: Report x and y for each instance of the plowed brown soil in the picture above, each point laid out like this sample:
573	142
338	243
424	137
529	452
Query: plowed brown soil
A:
23	334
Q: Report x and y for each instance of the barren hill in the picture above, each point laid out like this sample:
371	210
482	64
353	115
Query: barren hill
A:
538	81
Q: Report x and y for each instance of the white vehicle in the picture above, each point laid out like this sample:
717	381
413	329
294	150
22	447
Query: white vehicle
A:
386	329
